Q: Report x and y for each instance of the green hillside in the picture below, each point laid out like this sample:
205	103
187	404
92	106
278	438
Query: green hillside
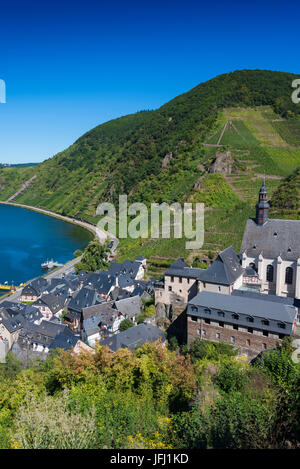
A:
167	155
285	202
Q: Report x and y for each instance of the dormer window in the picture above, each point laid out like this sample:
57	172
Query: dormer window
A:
281	325
275	234
221	314
250	319
207	311
254	247
265	322
289	250
235	316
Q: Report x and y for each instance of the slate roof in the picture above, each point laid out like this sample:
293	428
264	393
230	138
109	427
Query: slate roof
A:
64	341
91	325
100	308
141	258
119	294
63	294
30	313
186	272
12	324
125	281
262	296
51	301
225	270
87	296
133	337
250	272
128	267
129	307
43	333
102	281
245	304
274	238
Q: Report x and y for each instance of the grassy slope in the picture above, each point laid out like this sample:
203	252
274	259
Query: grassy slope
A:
125	156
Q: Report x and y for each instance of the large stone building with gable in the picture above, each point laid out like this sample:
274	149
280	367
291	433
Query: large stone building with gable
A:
182	283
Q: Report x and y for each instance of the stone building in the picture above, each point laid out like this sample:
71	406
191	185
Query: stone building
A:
182	283
272	248
251	323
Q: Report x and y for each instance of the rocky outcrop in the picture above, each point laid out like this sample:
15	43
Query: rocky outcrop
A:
166	160
222	164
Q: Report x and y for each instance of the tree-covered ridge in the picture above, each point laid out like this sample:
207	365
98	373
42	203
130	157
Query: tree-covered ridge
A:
154	398
121	155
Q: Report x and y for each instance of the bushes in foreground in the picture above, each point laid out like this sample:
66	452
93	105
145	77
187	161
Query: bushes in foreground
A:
153	398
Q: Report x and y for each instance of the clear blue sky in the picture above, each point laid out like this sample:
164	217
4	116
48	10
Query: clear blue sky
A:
71	65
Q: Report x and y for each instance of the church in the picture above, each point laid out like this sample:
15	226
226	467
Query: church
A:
272	248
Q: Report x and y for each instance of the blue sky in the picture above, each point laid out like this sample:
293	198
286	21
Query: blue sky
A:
71	65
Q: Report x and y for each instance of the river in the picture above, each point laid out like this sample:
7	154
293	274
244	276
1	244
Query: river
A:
28	238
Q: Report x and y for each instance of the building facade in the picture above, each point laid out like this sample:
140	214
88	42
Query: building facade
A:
251	324
272	248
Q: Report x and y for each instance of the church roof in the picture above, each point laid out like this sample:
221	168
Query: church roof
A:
274	238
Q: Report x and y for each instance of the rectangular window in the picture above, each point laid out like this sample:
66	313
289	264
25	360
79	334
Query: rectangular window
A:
172	279
180	280
194	318
207	321
218	335
170	288
232	339
221	323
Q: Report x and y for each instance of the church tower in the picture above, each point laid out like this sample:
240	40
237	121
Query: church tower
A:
262	206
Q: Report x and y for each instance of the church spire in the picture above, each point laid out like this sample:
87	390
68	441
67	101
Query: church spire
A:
262	206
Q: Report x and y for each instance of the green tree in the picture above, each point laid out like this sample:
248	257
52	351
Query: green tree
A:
126	324
93	258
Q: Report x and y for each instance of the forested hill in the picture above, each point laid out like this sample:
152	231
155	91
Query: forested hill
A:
167	154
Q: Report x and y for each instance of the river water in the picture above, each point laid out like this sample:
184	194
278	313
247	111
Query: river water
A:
28	238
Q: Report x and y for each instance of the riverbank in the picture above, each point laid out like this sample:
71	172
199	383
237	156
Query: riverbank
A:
100	234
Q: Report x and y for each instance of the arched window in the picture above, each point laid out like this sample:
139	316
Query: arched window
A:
289	275
270	273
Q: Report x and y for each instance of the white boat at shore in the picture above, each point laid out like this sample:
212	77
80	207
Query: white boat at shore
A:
48	265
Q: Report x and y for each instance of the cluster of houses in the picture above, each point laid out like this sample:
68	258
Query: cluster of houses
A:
79	311
251	300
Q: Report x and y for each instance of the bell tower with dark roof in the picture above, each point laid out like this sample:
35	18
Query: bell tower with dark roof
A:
262	206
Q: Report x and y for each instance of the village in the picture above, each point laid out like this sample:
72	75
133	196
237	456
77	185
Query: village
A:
250	300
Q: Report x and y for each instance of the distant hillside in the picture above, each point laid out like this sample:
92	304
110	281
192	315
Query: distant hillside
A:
170	154
285	202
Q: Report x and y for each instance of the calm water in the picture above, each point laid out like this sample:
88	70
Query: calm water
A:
29	238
